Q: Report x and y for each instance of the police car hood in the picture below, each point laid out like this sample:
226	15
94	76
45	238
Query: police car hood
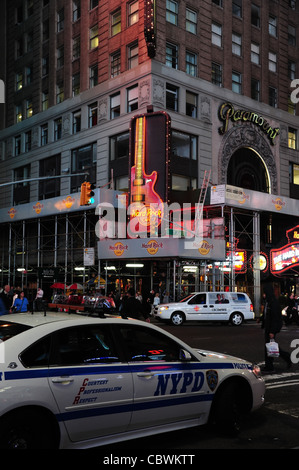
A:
212	356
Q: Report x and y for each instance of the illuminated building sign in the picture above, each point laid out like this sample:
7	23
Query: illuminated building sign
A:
286	257
239	261
149	156
227	112
150	27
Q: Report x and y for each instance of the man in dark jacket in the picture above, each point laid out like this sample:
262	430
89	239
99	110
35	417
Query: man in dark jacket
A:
272	323
132	307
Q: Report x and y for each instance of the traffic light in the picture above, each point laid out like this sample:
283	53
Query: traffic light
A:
87	194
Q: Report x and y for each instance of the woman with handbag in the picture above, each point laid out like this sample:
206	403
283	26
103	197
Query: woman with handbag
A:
272	324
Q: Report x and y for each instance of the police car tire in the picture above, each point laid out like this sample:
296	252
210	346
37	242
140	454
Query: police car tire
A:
26	429
236	319
227	410
177	318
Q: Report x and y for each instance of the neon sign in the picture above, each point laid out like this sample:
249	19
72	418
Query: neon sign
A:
146	206
287	256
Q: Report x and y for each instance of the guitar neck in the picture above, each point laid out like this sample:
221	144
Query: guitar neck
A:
139	151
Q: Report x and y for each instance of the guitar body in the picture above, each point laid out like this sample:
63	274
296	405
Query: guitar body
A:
146	206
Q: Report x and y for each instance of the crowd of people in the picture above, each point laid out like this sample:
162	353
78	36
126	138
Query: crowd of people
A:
14	300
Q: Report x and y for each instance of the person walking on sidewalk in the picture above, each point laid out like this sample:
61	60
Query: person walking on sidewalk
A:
272	324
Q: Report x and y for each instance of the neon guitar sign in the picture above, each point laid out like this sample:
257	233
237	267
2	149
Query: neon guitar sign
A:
146	206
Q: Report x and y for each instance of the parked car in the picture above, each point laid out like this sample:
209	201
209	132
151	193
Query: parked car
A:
78	383
233	307
98	304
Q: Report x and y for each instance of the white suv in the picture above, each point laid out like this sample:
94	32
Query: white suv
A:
233	307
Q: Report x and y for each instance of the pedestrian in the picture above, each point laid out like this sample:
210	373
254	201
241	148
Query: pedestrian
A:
21	303
132	307
37	303
291	309
6	298
272	324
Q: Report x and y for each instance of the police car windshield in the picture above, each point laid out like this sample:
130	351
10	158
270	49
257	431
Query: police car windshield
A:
9	329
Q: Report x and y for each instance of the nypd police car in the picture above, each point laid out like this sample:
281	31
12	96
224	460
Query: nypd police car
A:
84	382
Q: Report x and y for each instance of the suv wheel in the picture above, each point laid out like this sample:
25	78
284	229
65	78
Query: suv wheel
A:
177	318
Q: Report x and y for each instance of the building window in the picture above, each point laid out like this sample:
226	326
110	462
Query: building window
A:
291	35
76	10
19	81
21	191
292	138
191	64
83	158
237	8
92	115
172	97
44	134
273	97
191	21
191	104
28	141
217	34
57	129
76	84
255	53
236	44
45	30
28	75
171	56
115	106
237	82
115	64
76	122
29	42
29	108
76	47
291	107
29	8
45	66
93	37
45	100
183	183
60	20
19	113
133	13
19	47
255	15
132	94
272	61
93	75
217	2
60	57
116	22
93	4
217	74
18	142
59	93
172	11
255	89
49	167
132	56
291	70
294	173
184	145
273	26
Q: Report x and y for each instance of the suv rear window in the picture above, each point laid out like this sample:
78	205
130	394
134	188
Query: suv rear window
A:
9	329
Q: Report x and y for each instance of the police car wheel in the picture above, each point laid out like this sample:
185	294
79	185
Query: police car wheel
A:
227	410
25	430
236	319
177	318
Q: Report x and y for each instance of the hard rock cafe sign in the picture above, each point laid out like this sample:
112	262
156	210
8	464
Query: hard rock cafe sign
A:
227	113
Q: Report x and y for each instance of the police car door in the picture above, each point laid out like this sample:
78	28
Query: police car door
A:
166	388
92	387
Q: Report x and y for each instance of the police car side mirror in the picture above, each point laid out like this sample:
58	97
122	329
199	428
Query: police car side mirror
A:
185	356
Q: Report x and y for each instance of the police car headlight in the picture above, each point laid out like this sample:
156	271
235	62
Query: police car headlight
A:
256	371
